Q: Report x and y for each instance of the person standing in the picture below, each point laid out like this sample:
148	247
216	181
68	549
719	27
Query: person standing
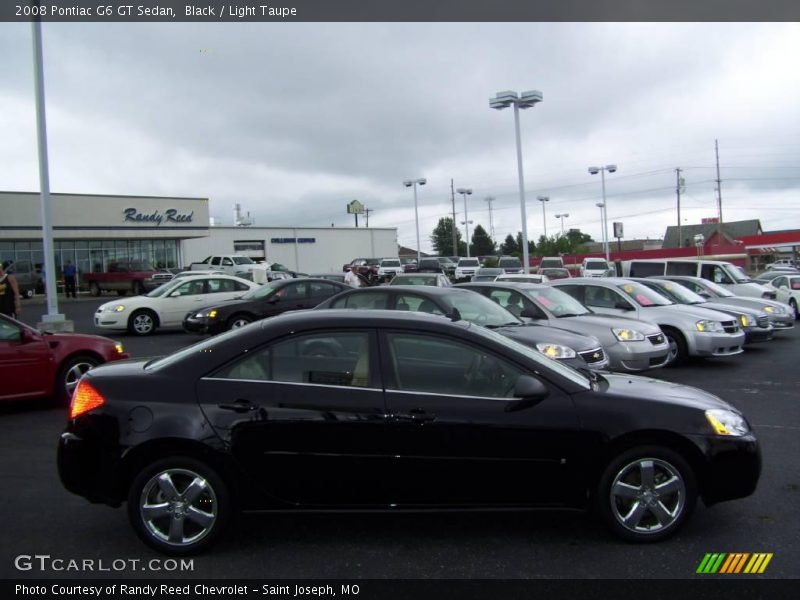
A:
69	279
9	292
351	278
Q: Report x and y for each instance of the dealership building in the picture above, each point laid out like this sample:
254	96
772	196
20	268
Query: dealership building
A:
93	231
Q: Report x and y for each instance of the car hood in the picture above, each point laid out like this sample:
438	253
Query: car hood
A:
606	322
74	338
647	389
728	308
530	335
694	312
754	303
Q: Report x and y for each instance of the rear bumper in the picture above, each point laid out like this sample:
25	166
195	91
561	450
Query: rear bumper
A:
84	470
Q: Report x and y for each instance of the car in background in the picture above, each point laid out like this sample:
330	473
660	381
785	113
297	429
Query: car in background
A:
631	345
388	268
329	276
579	351
690	331
788	290
366	267
409	264
431	279
182	274
554	273
783	263
594	267
398	412
767	276
466	268
754	323
268	300
430	264
487	274
28	278
551	262
39	364
448	265
510	264
780	314
168	304
524	278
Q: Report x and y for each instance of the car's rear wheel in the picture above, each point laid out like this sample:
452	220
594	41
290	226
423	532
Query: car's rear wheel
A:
646	493
237	321
793	304
678	352
178	505
70	374
142	322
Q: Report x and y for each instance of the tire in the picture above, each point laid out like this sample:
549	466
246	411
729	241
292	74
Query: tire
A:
638	511
678	352
142	322
70	373
793	304
237	321
94	289
178	505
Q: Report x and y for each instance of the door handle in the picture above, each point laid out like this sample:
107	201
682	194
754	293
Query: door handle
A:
417	415
240	406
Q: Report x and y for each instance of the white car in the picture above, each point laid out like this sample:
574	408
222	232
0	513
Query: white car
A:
167	305
388	268
466	268
523	278
594	267
787	288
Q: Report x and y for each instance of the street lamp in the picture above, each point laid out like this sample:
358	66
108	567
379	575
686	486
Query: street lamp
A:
602	171
562	216
524	100
466	222
602	207
409	183
544	200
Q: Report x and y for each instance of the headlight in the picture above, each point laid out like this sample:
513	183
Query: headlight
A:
726	422
746	321
113	308
776	310
212	314
119	348
119	308
628	335
709	326
556	351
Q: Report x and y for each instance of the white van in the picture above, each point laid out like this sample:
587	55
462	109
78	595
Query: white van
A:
594	267
723	273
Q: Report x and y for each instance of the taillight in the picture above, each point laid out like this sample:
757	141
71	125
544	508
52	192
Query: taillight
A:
84	399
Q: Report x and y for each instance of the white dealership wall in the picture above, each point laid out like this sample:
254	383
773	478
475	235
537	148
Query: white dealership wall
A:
304	249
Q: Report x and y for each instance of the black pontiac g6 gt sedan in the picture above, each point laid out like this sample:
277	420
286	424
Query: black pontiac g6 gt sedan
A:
320	410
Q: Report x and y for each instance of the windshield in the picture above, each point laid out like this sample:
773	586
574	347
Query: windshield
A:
548	363
513	263
242	260
679	293
717	290
261	292
373	261
643	295
550	263
480	310
596	265
164	288
738	274
468	262
414	280
557	302
390	263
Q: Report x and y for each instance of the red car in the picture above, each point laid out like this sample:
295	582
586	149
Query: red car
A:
35	364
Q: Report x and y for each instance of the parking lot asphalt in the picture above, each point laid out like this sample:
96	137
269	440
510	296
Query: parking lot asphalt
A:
42	518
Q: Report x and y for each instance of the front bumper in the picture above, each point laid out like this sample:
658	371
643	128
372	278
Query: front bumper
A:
732	467
754	335
637	356
717	344
782	322
111	320
194	324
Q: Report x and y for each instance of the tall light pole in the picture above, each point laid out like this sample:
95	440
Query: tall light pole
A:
544	200
562	216
465	192
409	183
524	100
602	171
489	200
603	238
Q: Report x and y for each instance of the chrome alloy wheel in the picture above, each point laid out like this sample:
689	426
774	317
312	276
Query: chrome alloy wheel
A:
142	323
74	373
240	322
178	507
647	496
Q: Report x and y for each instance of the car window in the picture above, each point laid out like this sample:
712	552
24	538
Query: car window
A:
9	332
227	262
238	286
795	284
600	297
294	291
370	300
716	274
416	303
323	290
324	358
215	260
557	301
511	301
643	295
429	364
190	288
779	281
216	286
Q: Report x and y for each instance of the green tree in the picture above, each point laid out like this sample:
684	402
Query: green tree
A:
509	247
482	244
531	245
442	239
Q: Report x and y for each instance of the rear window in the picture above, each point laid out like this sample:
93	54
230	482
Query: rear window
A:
646	269
468	262
682	268
549	263
513	263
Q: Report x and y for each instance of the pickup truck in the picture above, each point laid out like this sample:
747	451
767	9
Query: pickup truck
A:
366	267
125	276
234	264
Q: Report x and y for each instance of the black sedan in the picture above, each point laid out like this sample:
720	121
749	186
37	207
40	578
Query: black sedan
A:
267	301
574	349
318	410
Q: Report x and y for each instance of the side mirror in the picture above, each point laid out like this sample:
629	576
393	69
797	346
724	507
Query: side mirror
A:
528	391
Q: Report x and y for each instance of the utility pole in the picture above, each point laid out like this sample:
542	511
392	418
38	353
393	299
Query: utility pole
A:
366	215
453	200
489	201
678	186
719	196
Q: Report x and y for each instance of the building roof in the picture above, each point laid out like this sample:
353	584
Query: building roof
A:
730	231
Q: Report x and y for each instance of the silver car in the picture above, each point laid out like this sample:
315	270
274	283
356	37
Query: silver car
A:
780	314
631	345
690	331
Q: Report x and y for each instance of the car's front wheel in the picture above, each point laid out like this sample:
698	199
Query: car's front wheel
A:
142	322
678	351
178	505
646	493
237	321
70	374
793	304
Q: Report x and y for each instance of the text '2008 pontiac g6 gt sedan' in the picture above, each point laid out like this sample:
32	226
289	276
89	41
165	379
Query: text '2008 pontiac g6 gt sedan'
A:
321	410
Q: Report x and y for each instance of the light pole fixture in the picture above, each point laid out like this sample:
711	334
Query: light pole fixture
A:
602	171
544	200
409	183
562	216
603	238
466	222
524	100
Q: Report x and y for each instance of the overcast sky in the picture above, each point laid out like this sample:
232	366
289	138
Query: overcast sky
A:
295	120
